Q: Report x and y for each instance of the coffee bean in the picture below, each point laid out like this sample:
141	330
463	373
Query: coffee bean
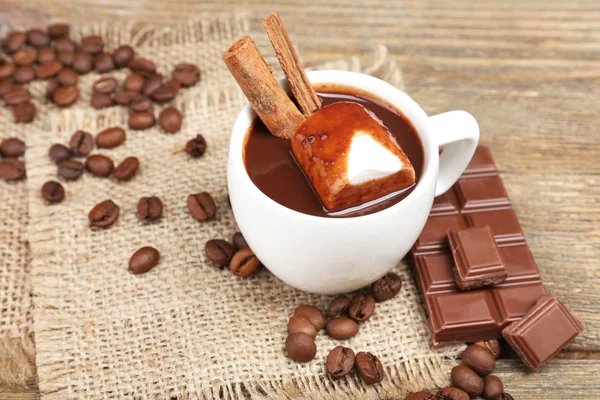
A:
465	379
369	368
134	83
92	44
338	306
105	85
16	96
99	165
298	323
104	214
142	66
83	62
5	85
123	56
12	169
53	192
313	314
25	56
493	387
163	93
143	260
45	54
51	87
24	74
70	169
300	347
361	307
24	112
492	345
126	169
174	86
451	393
64	44
124	97
49	69
149	208
12	147
244	263
101	100
196	147
219	251
13	42
141	103
340	362
341	328
386	287
81	143
64	96
479	360
59	153
110	137
238	241
58	30
201	206
104	62
170	120
141	120
186	74
37	38
67	59
419	396
68	77
7	70
152	83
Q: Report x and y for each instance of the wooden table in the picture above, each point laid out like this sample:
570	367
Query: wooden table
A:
529	71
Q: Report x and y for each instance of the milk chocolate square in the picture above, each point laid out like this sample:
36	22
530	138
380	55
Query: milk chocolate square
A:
504	224
481	192
433	236
436	273
477	260
514	301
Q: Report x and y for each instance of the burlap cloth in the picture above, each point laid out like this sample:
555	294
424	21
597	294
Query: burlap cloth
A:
186	329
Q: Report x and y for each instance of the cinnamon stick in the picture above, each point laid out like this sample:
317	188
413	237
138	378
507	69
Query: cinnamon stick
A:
269	100
305	95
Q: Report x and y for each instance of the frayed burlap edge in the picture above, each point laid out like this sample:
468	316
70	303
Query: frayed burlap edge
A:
17	361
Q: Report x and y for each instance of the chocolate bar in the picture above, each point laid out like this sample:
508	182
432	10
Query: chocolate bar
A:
478	199
542	332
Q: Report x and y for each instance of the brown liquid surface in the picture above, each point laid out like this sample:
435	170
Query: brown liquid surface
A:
274	171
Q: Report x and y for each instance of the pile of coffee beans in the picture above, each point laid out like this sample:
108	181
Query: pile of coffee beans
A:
12	167
472	378
237	255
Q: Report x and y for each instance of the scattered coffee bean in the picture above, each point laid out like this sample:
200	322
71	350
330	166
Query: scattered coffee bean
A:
12	147
492	345
300	347
59	153
369	368
479	360
196	147
164	93
64	96
451	393
465	379
238	241
25	56
142	66
170	120
24	112
49	69
123	56
16	96
141	120
186	74
68	77
45	54
313	314
298	323
83	62
219	251
104	62
37	38
53	192
64	44
143	260
244	263
124	97
24	74
5	85
92	44
152	83
134	83
104	214
67	59
11	169
51	87
141	103
340	362
338	306
58	30
361	307
492	387
101	100
110	137
149	208
13	42
126	169
419	396
7	70
70	169
386	287
105	85
81	143
99	165
201	206
341	328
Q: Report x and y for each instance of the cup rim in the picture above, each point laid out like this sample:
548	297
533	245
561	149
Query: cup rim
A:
345	78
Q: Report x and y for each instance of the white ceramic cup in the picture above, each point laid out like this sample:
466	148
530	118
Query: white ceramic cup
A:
338	255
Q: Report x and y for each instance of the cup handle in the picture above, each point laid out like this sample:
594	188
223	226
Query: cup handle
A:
457	135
